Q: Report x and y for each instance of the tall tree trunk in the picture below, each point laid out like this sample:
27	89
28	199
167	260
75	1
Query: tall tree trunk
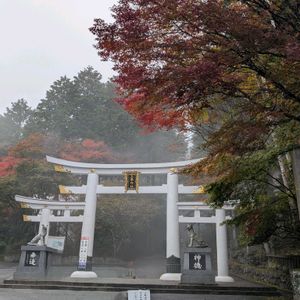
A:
283	170
283	161
296	171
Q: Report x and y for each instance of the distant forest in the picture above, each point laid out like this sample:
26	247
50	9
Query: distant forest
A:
79	120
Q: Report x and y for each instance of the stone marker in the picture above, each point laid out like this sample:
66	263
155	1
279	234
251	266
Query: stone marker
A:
34	262
196	266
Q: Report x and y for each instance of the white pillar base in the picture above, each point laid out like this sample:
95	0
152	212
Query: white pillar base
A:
224	279
83	274
171	276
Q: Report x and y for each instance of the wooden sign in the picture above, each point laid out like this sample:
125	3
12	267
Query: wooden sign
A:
131	181
138	294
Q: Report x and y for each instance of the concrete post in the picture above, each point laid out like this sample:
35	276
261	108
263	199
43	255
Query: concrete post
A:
88	230
234	233
234	237
172	238
222	250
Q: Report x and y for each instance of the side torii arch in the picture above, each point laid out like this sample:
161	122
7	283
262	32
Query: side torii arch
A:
45	209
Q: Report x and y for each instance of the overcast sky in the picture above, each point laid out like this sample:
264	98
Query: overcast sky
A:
42	40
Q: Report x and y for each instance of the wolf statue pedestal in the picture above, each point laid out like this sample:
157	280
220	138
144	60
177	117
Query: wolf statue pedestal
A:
34	262
196	260
196	266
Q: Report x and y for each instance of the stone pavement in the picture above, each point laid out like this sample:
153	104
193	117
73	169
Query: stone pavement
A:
109	274
6	271
19	294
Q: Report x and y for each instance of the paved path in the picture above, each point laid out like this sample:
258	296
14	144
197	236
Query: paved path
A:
6	271
9	294
106	274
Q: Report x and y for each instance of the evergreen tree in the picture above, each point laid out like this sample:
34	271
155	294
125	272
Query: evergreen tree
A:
84	108
13	121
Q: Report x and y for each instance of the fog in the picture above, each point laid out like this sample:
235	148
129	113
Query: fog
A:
42	40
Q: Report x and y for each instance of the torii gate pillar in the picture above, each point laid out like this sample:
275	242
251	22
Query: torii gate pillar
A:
88	230
172	238
222	252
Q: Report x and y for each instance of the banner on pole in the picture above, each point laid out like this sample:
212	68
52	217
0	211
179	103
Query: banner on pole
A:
83	253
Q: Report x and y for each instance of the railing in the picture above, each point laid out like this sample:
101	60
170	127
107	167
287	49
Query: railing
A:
288	261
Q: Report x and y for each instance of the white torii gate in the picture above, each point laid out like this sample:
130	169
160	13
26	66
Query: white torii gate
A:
92	188
46	208
171	188
218	218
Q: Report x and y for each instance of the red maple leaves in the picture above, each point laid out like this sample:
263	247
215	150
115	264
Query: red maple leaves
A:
36	146
8	164
87	150
176	57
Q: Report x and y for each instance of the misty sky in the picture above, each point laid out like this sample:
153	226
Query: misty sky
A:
42	40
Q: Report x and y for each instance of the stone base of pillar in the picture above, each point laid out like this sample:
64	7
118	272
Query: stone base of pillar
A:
224	279
171	276
83	274
173	264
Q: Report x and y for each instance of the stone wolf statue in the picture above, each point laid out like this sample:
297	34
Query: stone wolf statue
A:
194	240
40	237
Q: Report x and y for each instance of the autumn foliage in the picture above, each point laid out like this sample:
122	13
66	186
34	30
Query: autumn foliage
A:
229	71
175	57
29	148
7	165
36	146
86	151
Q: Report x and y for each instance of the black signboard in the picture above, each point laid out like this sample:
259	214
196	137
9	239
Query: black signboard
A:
197	261
32	258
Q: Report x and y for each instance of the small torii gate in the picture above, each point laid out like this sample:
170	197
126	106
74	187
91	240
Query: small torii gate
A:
218	218
92	188
46	210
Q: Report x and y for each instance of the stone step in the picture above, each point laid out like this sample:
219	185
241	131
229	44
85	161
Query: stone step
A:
154	288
